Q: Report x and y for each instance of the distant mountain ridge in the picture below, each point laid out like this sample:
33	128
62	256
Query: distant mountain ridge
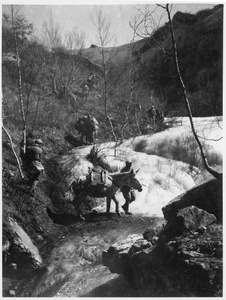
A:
206	20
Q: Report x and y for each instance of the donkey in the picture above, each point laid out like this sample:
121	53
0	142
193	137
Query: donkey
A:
114	182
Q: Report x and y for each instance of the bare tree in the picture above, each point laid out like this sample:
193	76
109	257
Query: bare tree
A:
30	65
64	68
51	35
20	29
102	25
74	40
15	31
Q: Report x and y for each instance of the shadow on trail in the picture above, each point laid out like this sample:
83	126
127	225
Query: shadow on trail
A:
117	287
69	219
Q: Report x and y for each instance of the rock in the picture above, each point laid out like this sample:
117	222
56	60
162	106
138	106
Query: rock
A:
188	218
184	261
23	254
13	266
187	266
151	234
117	256
5	249
139	245
71	139
12	293
39	238
207	196
6	246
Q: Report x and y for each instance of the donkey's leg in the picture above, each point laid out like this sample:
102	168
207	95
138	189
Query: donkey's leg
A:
116	205
77	203
108	200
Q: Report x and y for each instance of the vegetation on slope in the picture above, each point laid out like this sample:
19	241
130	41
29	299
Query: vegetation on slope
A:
199	41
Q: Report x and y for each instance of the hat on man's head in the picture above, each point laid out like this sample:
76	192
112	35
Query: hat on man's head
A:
39	142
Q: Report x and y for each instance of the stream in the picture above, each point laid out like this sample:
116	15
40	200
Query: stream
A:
74	265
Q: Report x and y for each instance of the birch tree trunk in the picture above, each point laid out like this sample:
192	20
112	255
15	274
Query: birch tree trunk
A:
203	155
14	152
19	81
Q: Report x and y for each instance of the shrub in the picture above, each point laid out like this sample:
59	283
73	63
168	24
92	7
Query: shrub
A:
140	146
182	148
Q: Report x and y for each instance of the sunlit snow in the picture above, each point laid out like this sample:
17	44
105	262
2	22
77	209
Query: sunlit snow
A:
162	178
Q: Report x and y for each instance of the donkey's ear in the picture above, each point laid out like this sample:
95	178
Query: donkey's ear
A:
137	171
132	172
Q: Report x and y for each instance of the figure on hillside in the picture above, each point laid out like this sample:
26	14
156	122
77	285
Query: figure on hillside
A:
127	191
91	129
93	81
96	128
33	166
90	79
159	117
85	91
151	114
88	127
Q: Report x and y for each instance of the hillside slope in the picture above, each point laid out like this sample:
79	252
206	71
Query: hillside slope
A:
137	73
199	40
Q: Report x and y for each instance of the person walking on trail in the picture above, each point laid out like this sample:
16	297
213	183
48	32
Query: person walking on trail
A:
127	191
34	167
91	129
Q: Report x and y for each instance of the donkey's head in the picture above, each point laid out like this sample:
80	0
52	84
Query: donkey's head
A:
133	182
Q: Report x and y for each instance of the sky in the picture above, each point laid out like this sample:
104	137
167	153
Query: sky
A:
68	16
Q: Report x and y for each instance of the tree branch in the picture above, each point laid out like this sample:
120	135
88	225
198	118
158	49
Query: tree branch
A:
14	152
204	158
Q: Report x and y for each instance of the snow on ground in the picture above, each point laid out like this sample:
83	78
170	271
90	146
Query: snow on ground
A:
162	178
209	130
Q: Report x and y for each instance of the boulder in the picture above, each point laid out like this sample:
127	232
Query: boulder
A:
207	196
74	141
189	265
182	259
21	252
117	256
151	234
186	266
188	218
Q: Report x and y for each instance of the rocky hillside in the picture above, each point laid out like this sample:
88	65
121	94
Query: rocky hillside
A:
183	259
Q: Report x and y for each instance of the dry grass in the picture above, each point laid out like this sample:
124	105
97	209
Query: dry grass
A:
181	148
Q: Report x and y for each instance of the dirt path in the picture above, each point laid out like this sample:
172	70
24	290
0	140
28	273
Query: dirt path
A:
75	263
